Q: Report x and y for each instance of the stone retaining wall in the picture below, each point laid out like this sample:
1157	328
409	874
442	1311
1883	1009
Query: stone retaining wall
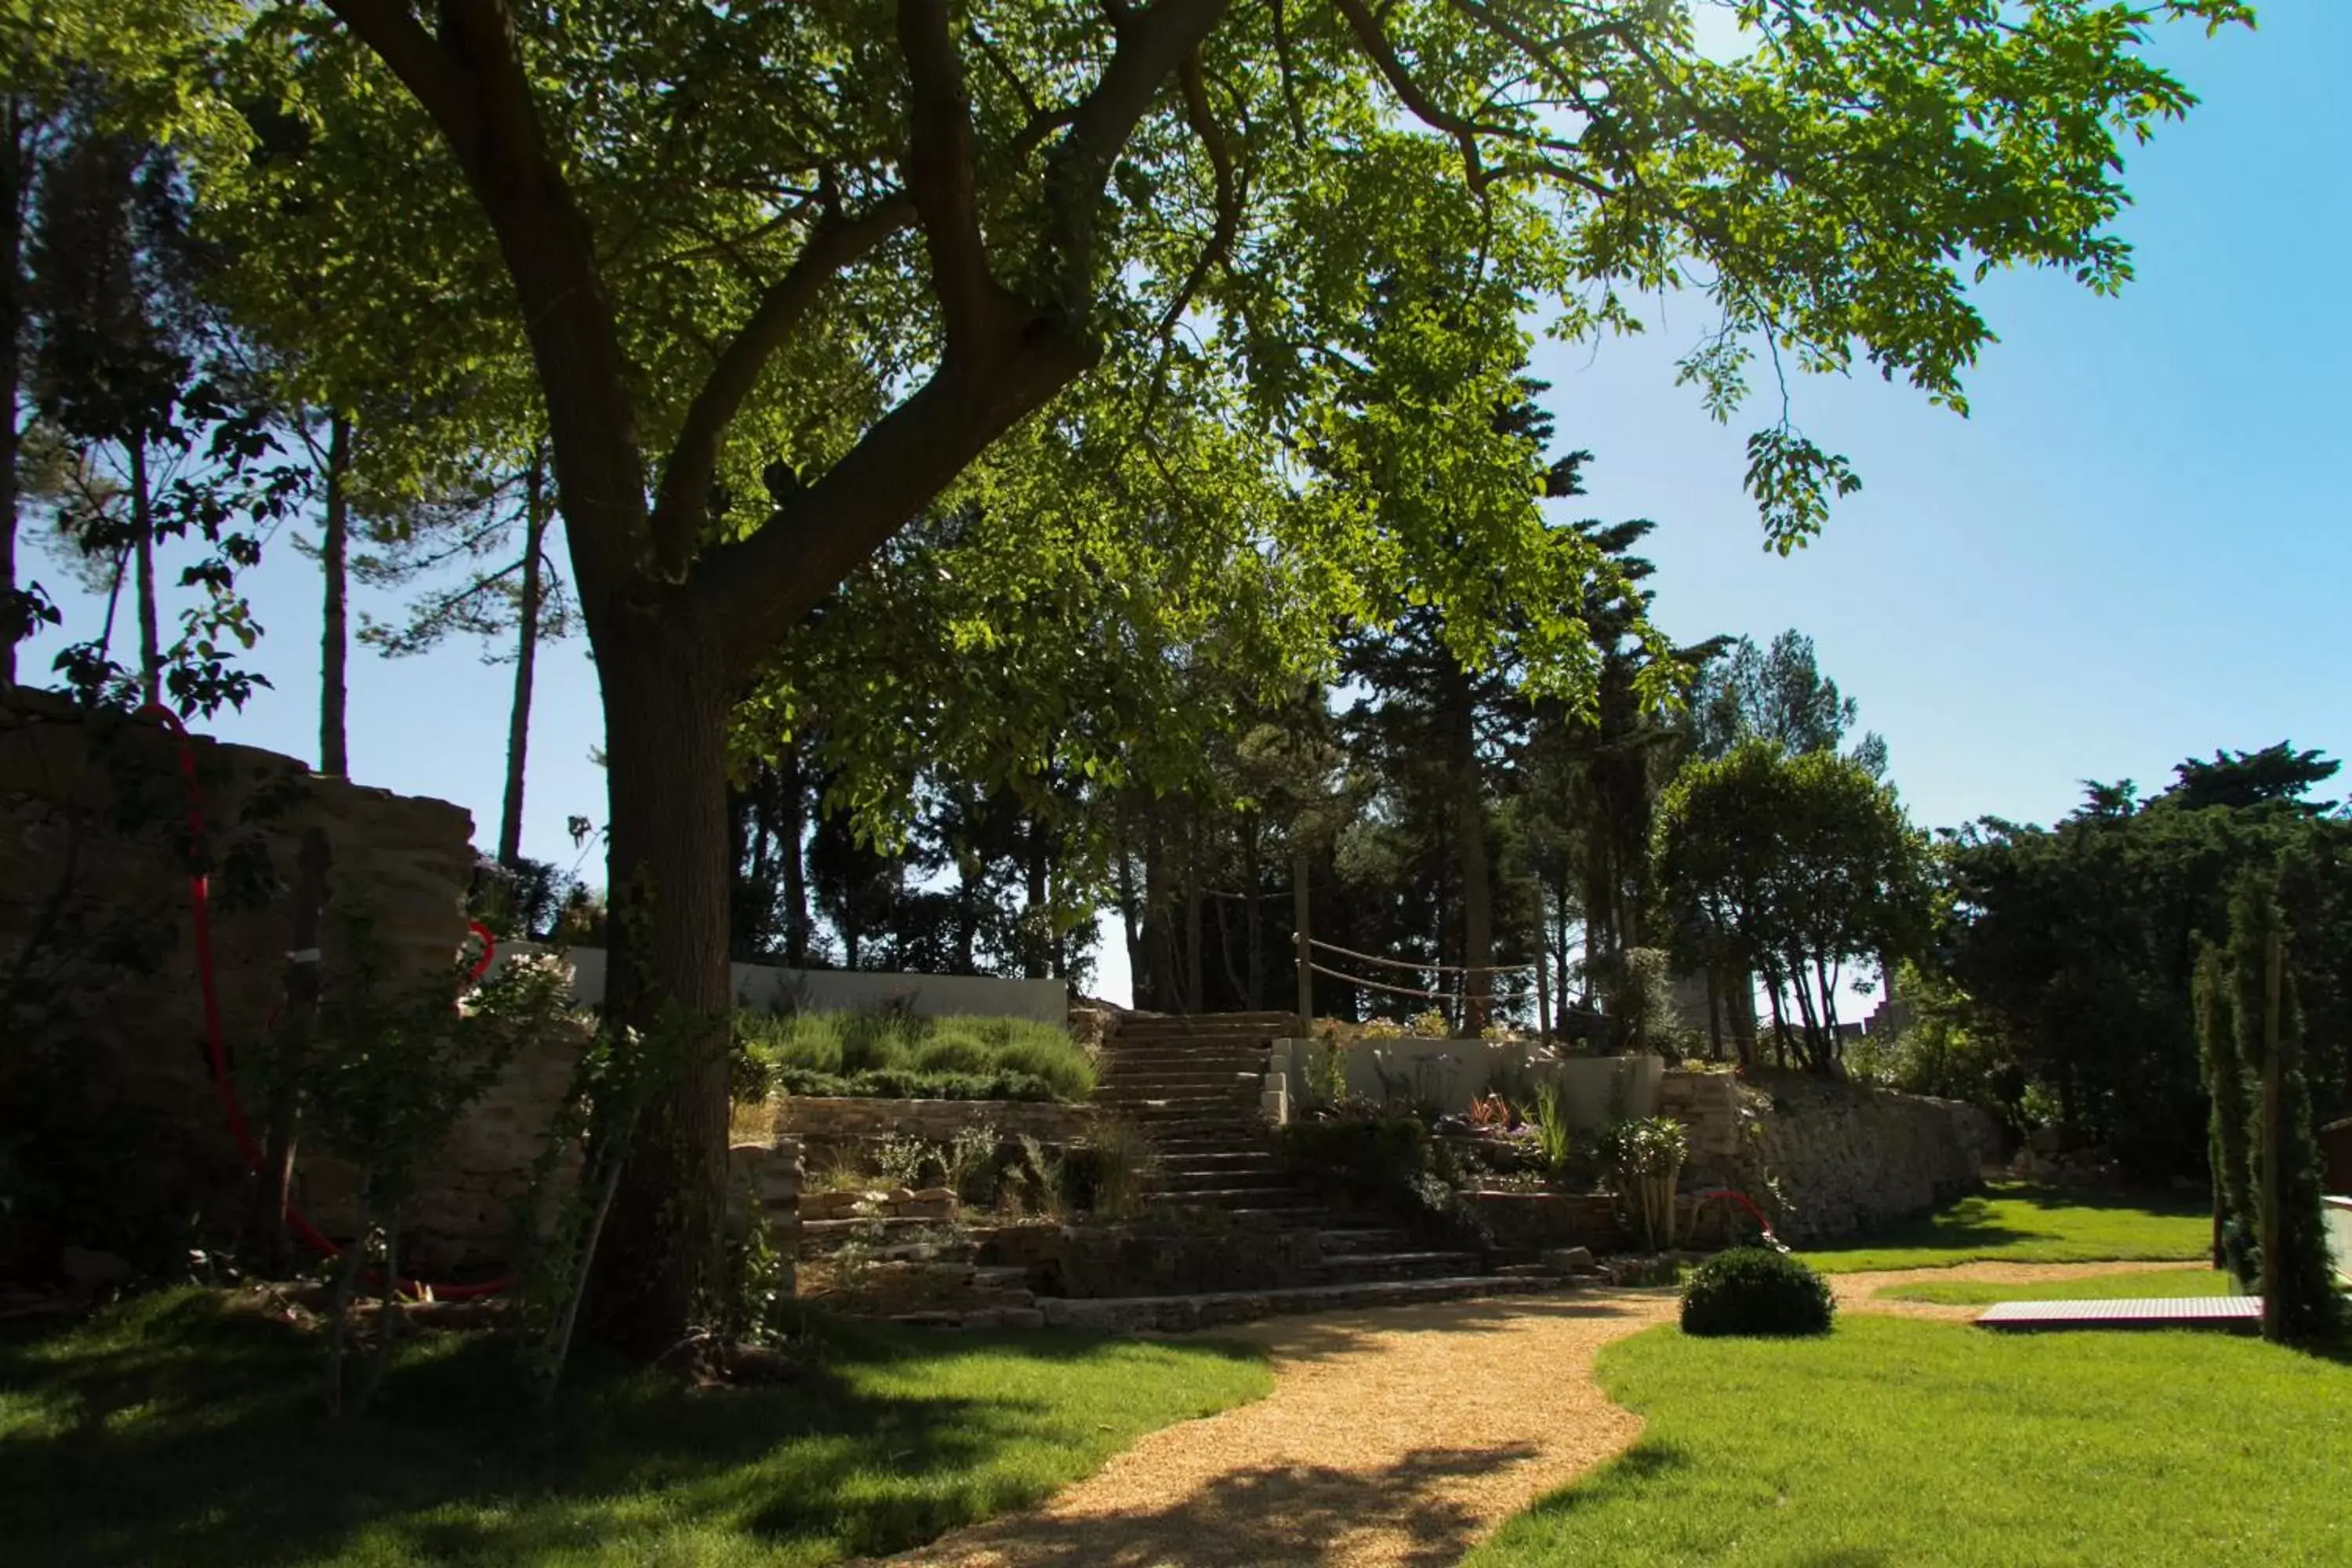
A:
96	931
827	1124
1836	1158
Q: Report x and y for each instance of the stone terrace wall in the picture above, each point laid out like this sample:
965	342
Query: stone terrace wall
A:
1845	1158
825	1123
94	858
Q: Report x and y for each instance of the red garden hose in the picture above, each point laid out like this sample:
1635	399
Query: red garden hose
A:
1744	1201
215	1038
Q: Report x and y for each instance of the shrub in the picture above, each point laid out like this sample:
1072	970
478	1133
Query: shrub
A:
899	1083
1751	1291
1109	1175
866	1053
1369	1158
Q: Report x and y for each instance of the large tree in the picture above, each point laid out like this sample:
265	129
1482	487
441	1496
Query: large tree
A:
903	232
1793	867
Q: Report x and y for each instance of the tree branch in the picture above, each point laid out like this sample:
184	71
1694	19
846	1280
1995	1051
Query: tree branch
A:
686	480
755	589
391	30
1152	45
943	174
470	78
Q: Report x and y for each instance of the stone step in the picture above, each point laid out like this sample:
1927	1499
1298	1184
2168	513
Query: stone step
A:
1210	1041
1179	1314
1349	1243
1233	1089
1277	1197
1374	1266
1215	1073
1219	1158
1182	1185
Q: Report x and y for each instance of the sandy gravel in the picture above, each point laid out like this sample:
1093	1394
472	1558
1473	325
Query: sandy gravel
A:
1855	1291
1392	1439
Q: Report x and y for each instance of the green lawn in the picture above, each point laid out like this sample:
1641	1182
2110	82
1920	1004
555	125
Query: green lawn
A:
2016	1222
2089	1288
1894	1442
171	1432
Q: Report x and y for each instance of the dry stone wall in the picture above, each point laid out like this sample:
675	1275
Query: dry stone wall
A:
96	939
1835	1158
828	1125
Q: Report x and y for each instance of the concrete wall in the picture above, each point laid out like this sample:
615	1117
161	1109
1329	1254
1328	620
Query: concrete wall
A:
2339	1235
774	989
1594	1091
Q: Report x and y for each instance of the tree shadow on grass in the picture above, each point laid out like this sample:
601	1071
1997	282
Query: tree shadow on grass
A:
1299	1516
194	1436
1973	1224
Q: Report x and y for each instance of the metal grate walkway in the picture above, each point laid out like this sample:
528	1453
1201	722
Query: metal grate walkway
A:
2242	1314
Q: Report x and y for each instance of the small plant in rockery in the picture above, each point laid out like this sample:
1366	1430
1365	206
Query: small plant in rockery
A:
1552	1139
383	1079
907	1162
1327	1076
1039	1178
973	1168
1644	1158
836	1170
1109	1175
1429	1025
1365	1158
1751	1291
1490	1113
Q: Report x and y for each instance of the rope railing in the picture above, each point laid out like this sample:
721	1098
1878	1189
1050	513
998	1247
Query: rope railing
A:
1425	995
1420	968
1308	946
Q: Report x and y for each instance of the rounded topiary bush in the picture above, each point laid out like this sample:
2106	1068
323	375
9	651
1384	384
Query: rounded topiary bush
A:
1751	1291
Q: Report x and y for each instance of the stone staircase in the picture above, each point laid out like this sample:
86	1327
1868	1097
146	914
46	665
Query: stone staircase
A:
1191	1086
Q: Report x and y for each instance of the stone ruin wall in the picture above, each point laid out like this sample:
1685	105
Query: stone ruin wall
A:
1843	1158
97	934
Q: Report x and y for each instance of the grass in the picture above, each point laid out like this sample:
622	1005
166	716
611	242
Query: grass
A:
2090	1288
173	1430
1896	1442
892	1052
2017	1221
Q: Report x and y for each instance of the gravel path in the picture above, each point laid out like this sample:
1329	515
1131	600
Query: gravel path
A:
1392	1439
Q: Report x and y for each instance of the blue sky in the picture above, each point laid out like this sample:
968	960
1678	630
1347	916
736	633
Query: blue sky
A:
2138	545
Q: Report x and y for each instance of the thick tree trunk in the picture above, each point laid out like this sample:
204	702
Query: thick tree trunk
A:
1192	940
1253	918
1470	852
334	634
666	713
1130	910
1158	927
792	789
142	529
1037	949
534	541
12	627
